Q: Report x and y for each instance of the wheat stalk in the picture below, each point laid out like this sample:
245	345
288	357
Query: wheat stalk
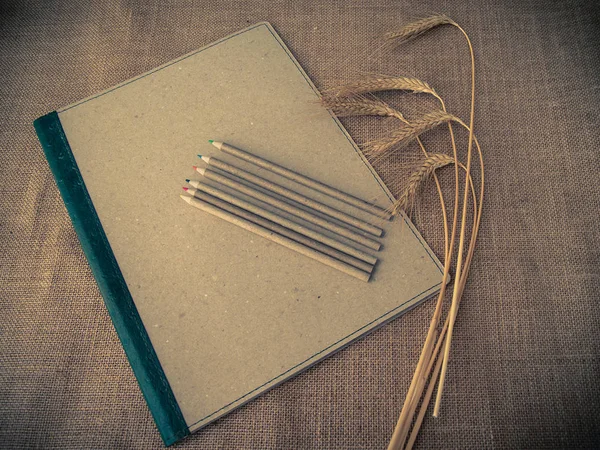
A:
423	172
428	354
377	83
360	106
380	148
417	28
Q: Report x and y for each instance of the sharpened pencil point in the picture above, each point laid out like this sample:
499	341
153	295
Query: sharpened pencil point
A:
194	167
199	156
187	180
217	144
185	189
211	141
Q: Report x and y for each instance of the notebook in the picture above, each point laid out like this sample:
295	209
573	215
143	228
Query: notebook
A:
210	315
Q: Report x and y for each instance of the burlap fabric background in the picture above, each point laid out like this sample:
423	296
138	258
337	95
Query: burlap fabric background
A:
524	370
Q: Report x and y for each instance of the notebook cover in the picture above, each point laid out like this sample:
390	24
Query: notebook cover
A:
211	316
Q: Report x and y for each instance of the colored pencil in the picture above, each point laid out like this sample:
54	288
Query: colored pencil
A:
295	196
302	179
233	183
279	219
272	226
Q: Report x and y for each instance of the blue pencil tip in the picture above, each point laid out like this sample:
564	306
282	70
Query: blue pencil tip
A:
199	156
187	180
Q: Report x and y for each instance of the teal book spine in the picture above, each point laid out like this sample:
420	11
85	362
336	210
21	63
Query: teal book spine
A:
123	312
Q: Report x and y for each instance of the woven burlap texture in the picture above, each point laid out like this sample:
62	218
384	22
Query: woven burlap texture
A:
524	366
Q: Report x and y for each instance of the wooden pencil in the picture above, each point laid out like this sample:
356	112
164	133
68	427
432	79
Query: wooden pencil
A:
295	196
269	225
302	179
277	238
295	226
232	183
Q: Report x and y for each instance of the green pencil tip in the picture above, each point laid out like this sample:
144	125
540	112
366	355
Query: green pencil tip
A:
187	180
211	141
199	156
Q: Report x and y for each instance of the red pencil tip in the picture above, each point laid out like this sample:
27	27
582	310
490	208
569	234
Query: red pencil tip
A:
185	189
194	167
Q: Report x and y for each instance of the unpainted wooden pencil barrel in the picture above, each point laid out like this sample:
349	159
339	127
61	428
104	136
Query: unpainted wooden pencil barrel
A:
300	238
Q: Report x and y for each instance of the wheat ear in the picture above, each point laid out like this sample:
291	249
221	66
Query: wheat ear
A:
378	83
417	28
410	131
425	170
360	106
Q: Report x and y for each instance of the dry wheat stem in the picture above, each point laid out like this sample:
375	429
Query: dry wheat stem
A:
415	391
459	263
476	208
351	109
422	374
432	380
456	176
414	394
416	388
447	258
426	400
378	83
396	440
405	419
447	246
399	433
476	224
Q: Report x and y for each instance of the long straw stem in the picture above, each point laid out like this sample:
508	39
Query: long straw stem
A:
459	263
427	372
423	370
403	424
